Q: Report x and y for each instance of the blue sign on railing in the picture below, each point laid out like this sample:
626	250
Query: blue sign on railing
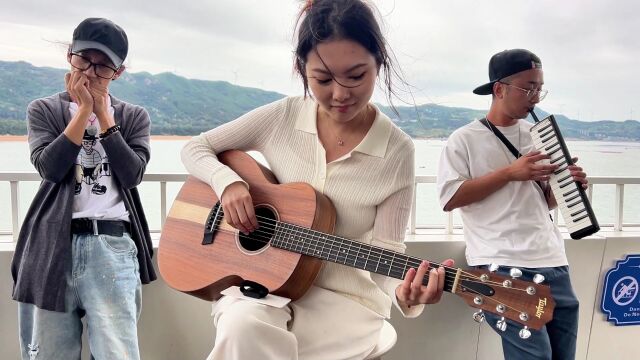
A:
620	299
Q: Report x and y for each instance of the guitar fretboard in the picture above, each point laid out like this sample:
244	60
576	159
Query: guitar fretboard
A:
348	252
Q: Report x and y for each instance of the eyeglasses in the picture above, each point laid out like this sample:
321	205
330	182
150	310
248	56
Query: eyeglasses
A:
530	93
82	63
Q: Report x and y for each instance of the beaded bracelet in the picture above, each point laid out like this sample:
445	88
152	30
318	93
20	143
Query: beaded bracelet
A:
110	131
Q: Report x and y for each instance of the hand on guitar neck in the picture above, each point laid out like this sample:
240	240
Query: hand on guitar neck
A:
412	291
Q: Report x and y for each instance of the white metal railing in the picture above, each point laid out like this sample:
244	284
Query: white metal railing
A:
15	178
618	181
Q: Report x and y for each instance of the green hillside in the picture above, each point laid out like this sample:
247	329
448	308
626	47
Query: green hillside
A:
180	106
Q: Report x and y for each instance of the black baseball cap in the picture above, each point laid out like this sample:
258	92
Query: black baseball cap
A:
507	63
104	35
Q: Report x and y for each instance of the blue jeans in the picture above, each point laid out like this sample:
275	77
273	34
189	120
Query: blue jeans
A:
103	285
557	339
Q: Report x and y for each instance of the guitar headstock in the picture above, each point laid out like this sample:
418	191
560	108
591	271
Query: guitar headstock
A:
525	302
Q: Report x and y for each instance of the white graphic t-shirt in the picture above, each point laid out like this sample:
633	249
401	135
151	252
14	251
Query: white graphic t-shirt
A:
96	194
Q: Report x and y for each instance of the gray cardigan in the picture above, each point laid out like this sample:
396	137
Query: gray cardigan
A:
42	257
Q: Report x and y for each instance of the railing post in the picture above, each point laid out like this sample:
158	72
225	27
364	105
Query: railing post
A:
590	193
450	222
15	209
617	226
412	220
163	202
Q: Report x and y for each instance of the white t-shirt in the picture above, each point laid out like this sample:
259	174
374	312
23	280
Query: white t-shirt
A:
511	226
96	194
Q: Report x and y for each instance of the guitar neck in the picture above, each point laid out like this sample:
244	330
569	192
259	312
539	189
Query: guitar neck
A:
351	253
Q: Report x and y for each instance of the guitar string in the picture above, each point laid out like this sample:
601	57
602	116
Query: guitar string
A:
450	273
414	261
348	258
451	277
378	251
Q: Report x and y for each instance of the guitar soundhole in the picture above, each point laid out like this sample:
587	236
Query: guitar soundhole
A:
262	236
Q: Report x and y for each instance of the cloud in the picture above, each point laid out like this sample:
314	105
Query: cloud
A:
588	47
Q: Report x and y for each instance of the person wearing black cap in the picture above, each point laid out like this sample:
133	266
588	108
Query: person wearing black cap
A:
84	248
504	201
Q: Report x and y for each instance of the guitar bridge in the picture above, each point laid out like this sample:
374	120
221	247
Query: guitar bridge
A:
211	226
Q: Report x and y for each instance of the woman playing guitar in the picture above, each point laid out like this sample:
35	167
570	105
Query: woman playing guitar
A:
335	139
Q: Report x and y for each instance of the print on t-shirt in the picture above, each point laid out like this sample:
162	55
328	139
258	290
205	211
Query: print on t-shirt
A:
91	164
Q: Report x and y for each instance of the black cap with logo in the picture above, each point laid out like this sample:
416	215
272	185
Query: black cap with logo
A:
507	63
104	35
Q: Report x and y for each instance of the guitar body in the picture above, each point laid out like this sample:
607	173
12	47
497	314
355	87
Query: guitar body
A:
204	270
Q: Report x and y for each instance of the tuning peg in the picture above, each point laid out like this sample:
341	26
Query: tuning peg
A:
515	273
478	316
524	333
538	279
501	324
494	267
531	290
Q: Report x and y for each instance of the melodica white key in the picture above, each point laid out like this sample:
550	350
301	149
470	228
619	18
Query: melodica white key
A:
572	200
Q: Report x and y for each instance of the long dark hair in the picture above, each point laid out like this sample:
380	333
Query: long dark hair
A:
323	20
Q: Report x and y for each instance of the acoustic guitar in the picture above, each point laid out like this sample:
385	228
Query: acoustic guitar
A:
201	254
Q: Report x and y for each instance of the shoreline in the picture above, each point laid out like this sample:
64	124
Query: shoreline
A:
23	138
153	137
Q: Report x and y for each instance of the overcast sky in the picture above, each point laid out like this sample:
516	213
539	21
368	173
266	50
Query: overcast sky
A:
589	48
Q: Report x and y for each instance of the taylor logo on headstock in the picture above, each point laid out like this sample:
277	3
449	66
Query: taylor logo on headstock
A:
542	303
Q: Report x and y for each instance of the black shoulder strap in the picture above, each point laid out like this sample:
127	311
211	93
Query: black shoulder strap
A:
508	144
500	136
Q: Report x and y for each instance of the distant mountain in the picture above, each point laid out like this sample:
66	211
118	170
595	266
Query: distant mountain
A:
180	106
437	121
177	106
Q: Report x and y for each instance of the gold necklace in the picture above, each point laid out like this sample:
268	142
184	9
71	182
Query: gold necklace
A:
342	141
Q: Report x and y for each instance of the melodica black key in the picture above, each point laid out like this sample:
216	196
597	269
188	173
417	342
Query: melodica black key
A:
572	200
